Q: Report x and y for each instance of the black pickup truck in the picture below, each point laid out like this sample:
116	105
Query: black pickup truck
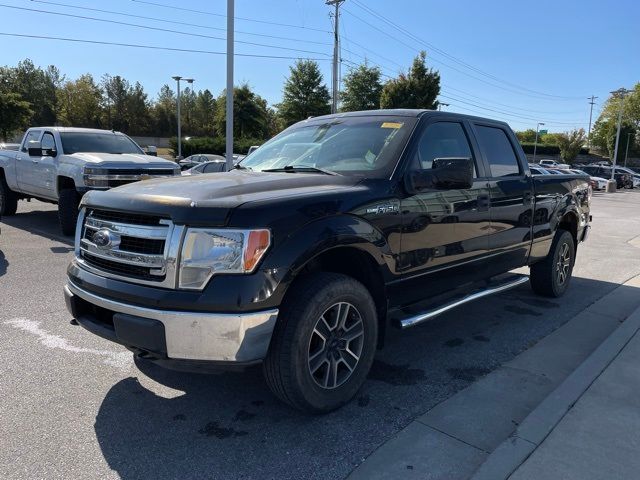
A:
304	255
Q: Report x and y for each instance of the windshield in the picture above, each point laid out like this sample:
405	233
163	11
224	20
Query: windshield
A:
363	146
74	142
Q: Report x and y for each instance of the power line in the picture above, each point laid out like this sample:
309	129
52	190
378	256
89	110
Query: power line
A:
451	57
175	22
147	27
202	12
154	47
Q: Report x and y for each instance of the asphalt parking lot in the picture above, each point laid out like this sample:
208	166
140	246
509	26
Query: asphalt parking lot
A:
76	406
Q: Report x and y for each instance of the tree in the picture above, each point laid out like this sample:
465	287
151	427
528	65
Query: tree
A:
362	89
80	103
570	144
37	87
527	136
417	89
250	117
605	128
14	114
138	111
116	90
204	111
163	112
304	94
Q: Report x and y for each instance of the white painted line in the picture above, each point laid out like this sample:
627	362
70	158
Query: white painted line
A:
120	360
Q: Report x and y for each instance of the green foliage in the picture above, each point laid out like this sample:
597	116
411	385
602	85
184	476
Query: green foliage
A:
418	89
14	114
605	128
570	144
528	135
250	114
79	102
547	149
304	95
362	89
215	145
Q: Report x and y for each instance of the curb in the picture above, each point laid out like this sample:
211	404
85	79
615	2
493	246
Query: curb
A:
542	420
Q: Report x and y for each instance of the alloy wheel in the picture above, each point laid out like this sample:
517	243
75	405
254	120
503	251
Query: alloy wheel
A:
563	264
335	346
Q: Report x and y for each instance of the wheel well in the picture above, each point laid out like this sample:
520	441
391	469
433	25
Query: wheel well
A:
570	223
65	183
360	265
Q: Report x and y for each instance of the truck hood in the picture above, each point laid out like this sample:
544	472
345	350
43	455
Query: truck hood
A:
208	199
113	160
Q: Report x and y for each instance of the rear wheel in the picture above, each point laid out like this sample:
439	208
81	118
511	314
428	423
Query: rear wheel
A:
68	201
551	276
324	343
8	199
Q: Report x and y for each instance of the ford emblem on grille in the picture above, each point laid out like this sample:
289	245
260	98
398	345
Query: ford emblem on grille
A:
104	239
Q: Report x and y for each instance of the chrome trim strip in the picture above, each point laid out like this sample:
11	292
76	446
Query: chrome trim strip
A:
122	256
133	177
150	232
429	314
240	337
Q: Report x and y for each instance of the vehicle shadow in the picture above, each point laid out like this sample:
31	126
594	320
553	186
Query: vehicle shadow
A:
41	222
3	264
169	424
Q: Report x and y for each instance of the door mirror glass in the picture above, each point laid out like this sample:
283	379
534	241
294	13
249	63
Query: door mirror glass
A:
445	174
34	148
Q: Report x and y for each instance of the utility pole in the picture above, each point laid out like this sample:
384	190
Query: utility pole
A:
535	144
229	116
336	54
592	102
620	93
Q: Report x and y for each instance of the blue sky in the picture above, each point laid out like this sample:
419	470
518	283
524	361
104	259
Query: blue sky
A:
528	61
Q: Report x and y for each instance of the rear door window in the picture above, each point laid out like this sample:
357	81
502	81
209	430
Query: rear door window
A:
498	151
442	140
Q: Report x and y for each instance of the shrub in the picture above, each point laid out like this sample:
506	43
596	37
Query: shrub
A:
215	145
548	149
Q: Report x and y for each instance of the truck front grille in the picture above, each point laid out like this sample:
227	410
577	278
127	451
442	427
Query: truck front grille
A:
131	247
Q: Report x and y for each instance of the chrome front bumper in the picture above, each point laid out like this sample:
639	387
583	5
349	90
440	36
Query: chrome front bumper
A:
221	337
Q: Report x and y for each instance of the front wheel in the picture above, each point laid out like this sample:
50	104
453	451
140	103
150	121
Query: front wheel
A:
551	276
8	199
323	344
68	201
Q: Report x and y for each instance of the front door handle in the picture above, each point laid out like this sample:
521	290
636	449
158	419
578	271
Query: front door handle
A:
483	203
527	198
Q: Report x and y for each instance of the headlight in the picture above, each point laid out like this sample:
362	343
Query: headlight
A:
206	252
96	177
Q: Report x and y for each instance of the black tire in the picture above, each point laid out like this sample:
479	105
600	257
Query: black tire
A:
8	199
68	201
287	368
551	276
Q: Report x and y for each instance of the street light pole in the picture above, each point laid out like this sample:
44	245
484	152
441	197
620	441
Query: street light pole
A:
177	79
229	103
626	153
440	105
535	144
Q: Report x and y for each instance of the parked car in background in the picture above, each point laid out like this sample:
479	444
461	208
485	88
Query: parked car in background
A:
207	167
597	183
307	253
545	162
634	175
623	178
9	146
193	160
538	170
60	164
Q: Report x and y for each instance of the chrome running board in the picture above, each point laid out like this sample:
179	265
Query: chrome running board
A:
429	314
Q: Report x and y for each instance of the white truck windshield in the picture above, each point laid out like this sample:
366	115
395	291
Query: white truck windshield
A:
75	142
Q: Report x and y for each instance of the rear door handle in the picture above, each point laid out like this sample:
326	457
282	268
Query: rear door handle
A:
483	203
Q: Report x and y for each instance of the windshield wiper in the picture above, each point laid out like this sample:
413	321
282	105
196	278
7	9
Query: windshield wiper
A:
301	169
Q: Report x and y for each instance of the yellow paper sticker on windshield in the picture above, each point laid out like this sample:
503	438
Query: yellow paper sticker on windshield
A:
391	125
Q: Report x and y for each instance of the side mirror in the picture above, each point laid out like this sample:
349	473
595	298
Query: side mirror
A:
151	150
34	148
252	149
445	174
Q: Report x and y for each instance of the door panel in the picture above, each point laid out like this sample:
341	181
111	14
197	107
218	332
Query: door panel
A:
441	228
511	196
44	168
24	165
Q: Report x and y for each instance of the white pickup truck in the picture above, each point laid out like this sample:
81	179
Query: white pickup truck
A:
60	164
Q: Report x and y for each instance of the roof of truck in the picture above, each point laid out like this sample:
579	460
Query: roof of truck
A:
75	129
404	112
